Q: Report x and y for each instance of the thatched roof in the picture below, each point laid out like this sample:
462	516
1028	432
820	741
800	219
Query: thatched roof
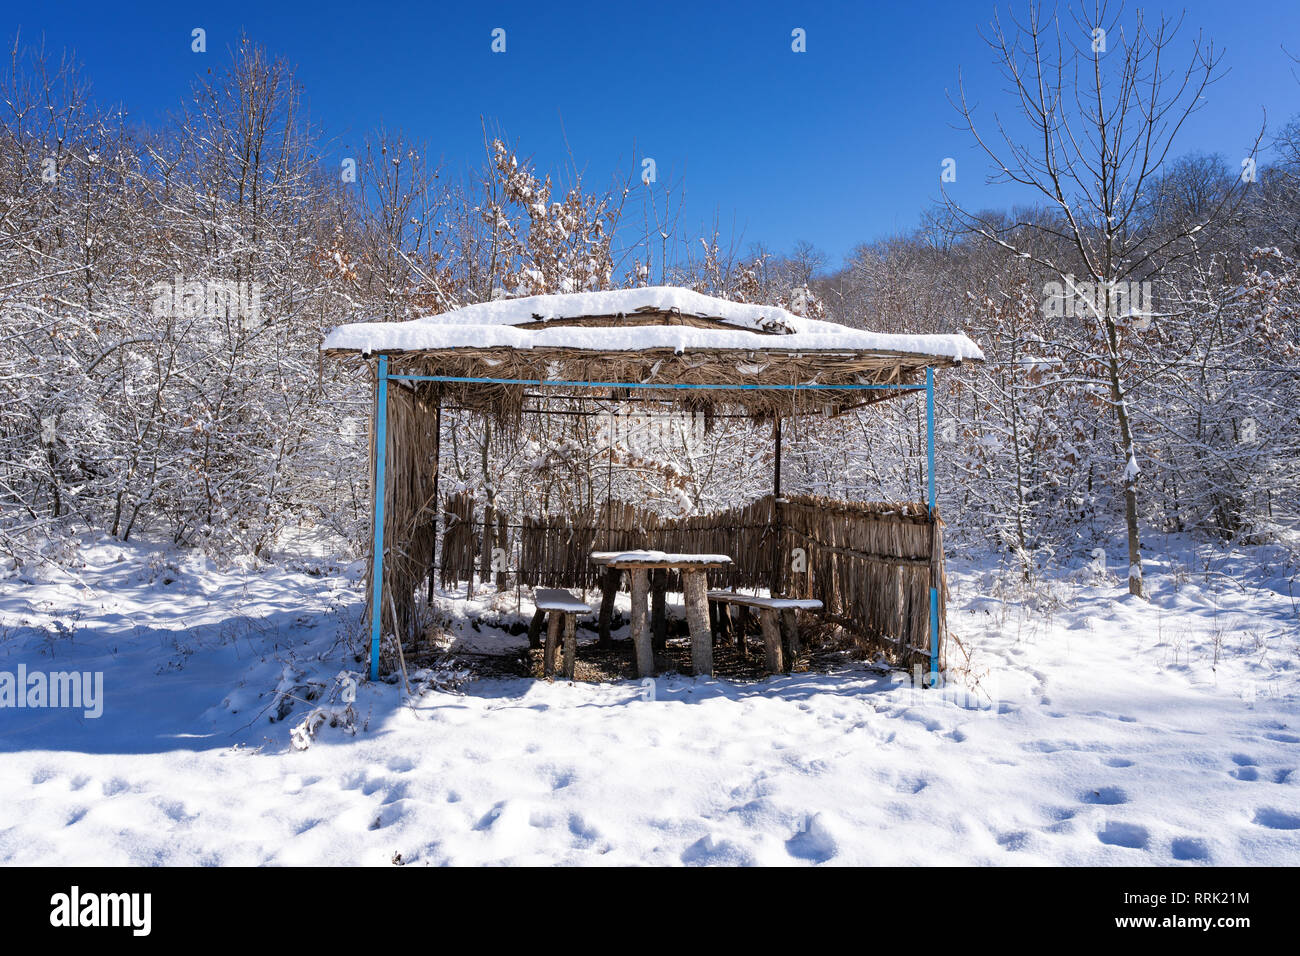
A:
650	336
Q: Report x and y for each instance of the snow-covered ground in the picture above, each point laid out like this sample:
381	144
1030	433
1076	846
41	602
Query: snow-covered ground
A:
1100	730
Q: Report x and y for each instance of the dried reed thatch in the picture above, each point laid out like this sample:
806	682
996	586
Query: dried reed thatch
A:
410	503
771	362
648	368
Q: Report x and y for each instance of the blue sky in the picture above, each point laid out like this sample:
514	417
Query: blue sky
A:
837	145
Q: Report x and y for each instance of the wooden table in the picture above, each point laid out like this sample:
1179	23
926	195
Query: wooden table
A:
694	569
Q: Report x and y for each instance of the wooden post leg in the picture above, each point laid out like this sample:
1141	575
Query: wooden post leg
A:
790	637
659	608
729	629
570	645
608	590
535	628
771	639
696	588
645	658
552	639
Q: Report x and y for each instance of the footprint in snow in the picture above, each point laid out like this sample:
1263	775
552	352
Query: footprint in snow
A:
912	786
352	780
583	830
1105	796
486	821
175	810
707	851
1053	746
814	842
1283	738
1122	718
1118	762
562	778
395	793
1276	819
1190	849
929	723
1014	841
386	817
1129	835
1244	773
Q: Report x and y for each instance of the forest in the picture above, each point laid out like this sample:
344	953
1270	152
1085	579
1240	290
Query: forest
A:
164	292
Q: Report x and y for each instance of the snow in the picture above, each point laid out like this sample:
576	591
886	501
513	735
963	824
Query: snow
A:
1131	468
657	557
1098	729
557	599
779	604
504	323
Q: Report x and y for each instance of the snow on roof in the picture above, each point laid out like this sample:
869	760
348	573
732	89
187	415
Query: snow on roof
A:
504	323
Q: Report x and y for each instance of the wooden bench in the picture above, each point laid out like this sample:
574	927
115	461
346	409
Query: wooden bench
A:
563	608
778	619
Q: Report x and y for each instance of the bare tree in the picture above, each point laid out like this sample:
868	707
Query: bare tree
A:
1102	111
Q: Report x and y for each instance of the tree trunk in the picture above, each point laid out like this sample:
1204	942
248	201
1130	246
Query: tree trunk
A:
1131	472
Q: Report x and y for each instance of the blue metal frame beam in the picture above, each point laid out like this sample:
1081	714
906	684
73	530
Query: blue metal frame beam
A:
651	385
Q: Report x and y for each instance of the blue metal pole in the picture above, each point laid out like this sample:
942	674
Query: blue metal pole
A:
929	480
377	548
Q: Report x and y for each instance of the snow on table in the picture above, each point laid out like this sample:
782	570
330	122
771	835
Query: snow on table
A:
558	599
658	559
